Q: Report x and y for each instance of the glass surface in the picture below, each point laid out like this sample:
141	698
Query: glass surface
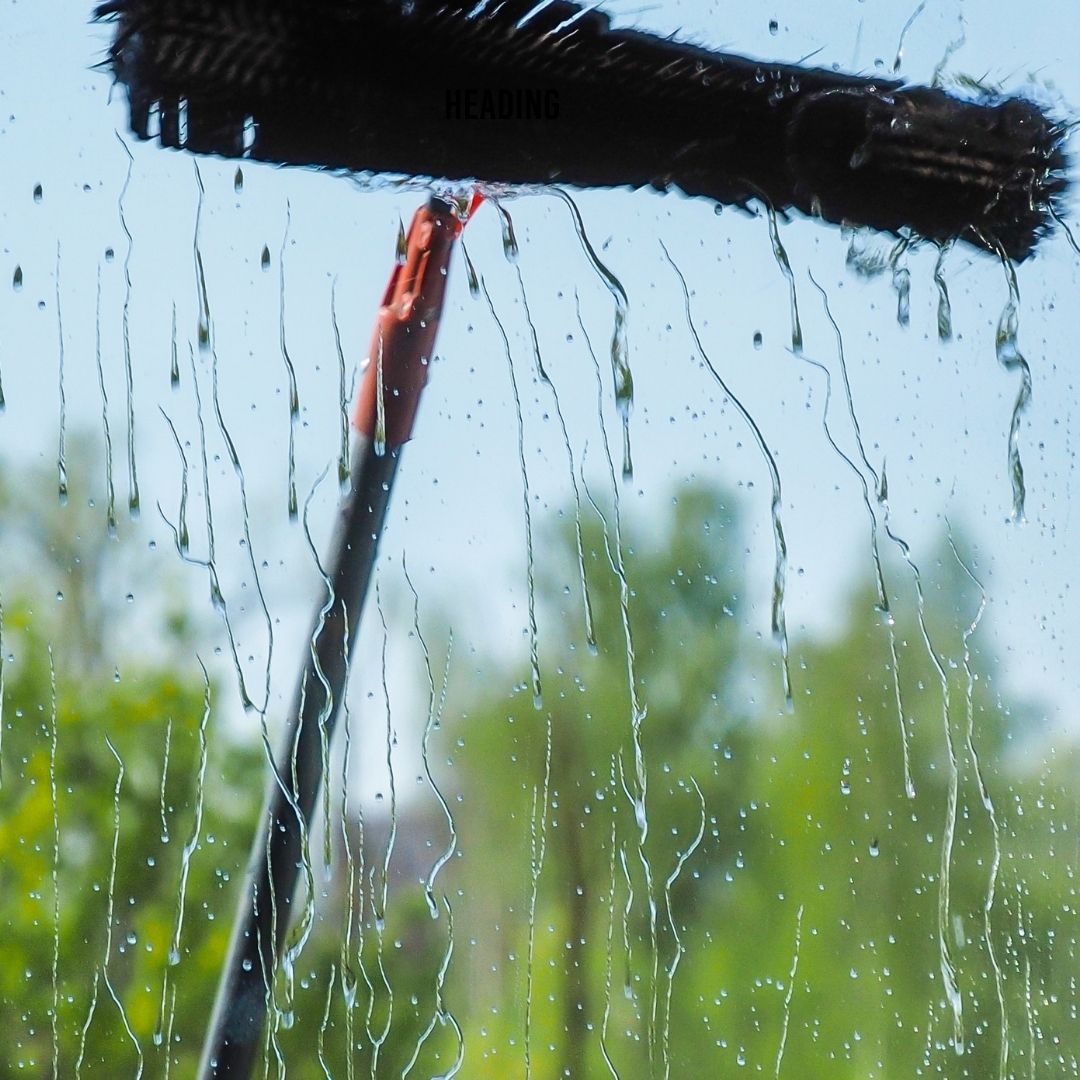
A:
538	856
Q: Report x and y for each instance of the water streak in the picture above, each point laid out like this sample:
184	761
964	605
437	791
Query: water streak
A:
590	632
509	238
781	256
1010	358
2	673
249	546
110	490
343	400
129	381
537	853
101	972
638	796
294	397
789	992
196	826
378	1039
61	452
352	916
183	537
328	695
621	374
54	738
779	620
526	498
470	272
321	1044
898	60
174	365
991	812
434	720
609	957
440	1015
681	860
217	597
204	328
879	573
944	307
901	282
945	958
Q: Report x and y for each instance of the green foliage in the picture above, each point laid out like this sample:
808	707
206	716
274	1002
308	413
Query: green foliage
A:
685	878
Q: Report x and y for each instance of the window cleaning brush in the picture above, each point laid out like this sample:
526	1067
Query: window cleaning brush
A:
520	92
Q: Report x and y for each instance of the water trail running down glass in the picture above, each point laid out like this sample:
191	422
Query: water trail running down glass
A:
102	973
789	992
537	852
1011	359
944	307
180	540
110	491
54	802
164	780
110	893
681	860
321	1044
638	797
204	329
526	499
945	957
901	282
180	532
621	375
343	402
899	58
434	720
609	957
328	700
3	661
782	260
879	574
196	825
440	1014
294	396
778	619
590	633
129	381
509	238
61	453
988	806
174	366
249	545
346	962
378	900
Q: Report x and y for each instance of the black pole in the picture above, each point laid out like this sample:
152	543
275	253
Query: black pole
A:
403	341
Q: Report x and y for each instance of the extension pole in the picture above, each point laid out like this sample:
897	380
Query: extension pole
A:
401	349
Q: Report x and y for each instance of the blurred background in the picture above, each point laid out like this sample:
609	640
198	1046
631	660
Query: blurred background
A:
656	866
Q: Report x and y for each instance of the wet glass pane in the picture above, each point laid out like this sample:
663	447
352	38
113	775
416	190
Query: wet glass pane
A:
713	704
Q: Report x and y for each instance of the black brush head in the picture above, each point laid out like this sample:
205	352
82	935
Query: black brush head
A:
387	86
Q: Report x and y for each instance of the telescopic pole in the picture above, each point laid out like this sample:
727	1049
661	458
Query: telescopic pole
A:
401	349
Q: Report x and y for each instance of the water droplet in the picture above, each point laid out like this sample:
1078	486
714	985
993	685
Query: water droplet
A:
238	181
757	339
774	27
875	848
37	193
264	260
402	246
16	279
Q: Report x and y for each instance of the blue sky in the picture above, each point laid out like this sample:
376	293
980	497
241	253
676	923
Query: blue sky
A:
938	415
